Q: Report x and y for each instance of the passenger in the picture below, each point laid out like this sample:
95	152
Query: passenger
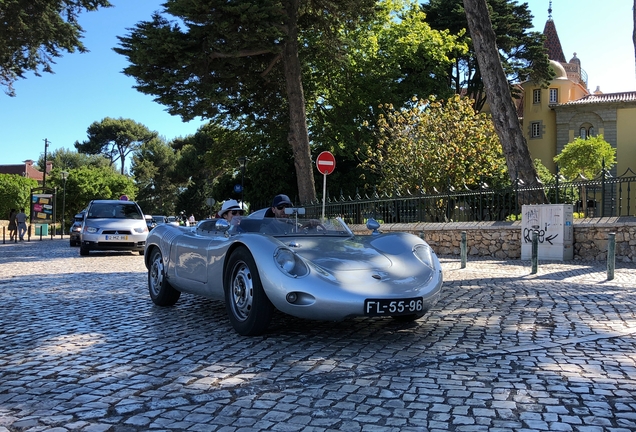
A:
279	204
229	209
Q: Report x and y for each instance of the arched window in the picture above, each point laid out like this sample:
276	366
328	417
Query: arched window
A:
586	130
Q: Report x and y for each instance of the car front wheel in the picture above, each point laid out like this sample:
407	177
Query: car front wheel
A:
161	292
248	307
83	250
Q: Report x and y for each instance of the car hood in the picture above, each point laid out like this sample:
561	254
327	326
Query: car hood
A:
340	254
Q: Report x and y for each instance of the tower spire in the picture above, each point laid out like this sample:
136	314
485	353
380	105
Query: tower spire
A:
550	10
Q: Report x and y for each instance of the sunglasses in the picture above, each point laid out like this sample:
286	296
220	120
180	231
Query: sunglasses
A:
281	207
236	212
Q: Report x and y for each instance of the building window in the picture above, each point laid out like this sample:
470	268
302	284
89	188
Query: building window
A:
554	95
536	96
535	129
586	130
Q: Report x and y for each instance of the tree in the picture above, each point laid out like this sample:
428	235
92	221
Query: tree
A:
33	33
521	51
585	157
504	114
15	192
115	139
394	56
433	144
237	62
65	160
152	167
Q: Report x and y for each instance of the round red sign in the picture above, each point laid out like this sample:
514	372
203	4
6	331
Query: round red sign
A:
326	163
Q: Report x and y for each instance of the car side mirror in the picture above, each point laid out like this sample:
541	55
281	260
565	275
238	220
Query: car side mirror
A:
373	226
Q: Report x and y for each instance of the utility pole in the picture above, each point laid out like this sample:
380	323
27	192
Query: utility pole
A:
46	145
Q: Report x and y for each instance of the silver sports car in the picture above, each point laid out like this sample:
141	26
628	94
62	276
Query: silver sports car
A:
308	268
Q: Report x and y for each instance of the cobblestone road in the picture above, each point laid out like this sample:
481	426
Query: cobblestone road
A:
82	348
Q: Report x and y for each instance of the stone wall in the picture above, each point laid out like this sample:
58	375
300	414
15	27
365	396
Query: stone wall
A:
502	240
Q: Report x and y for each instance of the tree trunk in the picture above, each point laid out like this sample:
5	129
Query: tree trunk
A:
298	136
504	114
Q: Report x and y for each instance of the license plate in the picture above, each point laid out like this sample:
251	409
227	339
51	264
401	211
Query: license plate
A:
391	307
116	237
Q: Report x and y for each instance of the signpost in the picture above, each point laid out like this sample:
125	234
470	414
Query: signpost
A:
326	163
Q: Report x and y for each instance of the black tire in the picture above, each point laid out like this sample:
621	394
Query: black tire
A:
248	307
84	250
141	252
161	292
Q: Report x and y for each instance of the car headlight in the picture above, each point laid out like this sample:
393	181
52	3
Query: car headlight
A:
424	253
289	263
90	229
141	230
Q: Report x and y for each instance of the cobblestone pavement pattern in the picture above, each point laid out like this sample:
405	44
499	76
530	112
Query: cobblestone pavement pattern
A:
82	348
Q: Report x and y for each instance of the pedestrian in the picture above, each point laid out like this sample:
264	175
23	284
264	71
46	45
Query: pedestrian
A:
13	226
279	204
192	220
21	219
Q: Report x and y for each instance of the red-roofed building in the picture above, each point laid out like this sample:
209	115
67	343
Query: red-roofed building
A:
26	170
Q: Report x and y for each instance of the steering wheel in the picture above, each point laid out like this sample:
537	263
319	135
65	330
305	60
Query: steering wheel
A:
314	224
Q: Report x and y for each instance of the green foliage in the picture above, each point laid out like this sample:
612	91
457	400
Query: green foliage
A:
87	183
434	145
115	139
392	57
152	168
33	33
522	52
15	192
585	157
64	160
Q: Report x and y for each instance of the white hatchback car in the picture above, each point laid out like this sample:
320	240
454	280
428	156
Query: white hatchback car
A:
113	225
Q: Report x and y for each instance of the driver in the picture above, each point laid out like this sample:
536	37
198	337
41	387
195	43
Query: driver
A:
279	204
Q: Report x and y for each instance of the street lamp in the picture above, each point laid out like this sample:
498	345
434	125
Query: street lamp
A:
242	160
64	175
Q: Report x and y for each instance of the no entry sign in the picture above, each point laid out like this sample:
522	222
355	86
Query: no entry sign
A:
326	163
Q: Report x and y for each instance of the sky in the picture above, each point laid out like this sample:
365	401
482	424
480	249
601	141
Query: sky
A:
89	87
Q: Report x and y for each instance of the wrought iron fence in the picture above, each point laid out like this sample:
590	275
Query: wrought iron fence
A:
604	196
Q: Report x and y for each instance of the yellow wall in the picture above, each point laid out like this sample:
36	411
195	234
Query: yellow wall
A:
625	140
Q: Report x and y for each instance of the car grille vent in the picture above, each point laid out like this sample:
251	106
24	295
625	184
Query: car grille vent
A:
123	232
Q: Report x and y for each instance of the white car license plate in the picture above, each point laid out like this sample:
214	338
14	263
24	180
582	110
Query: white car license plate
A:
117	237
379	307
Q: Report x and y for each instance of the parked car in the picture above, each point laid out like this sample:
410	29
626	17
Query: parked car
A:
150	222
113	225
302	267
159	219
75	230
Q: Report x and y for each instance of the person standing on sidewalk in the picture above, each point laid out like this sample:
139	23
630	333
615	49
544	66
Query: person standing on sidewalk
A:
21	219
13	227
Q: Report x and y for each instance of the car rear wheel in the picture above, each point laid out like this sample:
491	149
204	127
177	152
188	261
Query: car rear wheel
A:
248	307
161	292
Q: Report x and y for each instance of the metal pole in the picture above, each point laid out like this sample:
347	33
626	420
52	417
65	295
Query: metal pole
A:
535	250
611	256
324	194
63	206
463	249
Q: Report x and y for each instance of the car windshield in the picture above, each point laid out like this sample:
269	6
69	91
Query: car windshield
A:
291	226
114	211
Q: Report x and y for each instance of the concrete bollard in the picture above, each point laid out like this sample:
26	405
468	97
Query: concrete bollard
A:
463	249
611	255
535	251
